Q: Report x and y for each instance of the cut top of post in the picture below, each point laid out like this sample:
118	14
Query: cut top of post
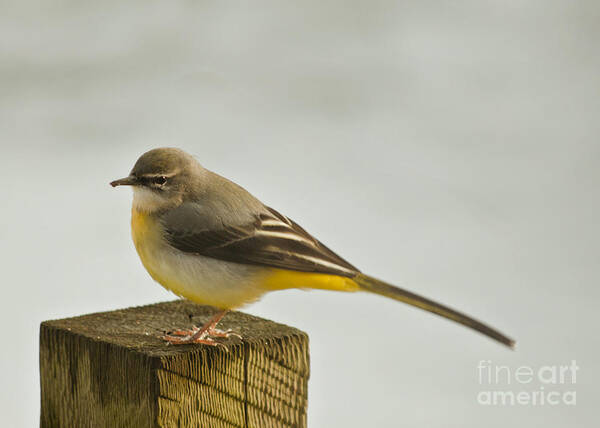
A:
139	328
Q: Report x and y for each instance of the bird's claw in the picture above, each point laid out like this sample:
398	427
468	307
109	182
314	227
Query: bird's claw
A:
223	333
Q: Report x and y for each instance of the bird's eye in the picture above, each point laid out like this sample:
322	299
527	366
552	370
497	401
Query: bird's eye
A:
160	180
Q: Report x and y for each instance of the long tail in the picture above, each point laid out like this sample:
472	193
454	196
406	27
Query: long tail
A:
372	285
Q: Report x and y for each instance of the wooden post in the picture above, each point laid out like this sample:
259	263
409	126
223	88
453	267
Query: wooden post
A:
111	369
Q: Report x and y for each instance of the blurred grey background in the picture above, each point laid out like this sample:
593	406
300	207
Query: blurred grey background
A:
449	147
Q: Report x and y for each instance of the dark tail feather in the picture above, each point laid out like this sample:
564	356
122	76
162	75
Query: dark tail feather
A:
372	285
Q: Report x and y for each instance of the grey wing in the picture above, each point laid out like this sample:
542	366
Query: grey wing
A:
267	239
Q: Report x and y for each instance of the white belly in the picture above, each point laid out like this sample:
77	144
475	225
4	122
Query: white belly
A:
206	280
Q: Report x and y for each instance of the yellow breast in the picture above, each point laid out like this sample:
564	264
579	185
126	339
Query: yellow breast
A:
147	240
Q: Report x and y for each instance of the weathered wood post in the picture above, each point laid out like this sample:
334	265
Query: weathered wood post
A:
110	369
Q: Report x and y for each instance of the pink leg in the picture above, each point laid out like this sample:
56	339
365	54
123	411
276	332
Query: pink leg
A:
204	335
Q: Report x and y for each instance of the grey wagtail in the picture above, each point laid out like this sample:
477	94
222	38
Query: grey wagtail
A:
210	241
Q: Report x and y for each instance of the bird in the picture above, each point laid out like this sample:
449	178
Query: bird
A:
210	241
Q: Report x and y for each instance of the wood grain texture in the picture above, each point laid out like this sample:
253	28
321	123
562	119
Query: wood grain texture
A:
111	369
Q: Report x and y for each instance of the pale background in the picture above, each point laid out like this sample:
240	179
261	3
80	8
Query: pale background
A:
450	147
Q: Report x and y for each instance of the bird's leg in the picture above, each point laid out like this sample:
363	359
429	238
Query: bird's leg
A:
204	335
209	329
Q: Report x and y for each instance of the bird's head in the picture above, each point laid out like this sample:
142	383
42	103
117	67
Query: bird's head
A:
162	178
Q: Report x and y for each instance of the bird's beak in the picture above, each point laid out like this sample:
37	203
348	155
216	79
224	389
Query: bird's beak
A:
127	181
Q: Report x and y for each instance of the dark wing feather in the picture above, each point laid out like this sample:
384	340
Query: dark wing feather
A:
270	240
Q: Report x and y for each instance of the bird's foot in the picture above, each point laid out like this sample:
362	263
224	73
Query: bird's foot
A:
209	332
205	335
214	332
187	339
